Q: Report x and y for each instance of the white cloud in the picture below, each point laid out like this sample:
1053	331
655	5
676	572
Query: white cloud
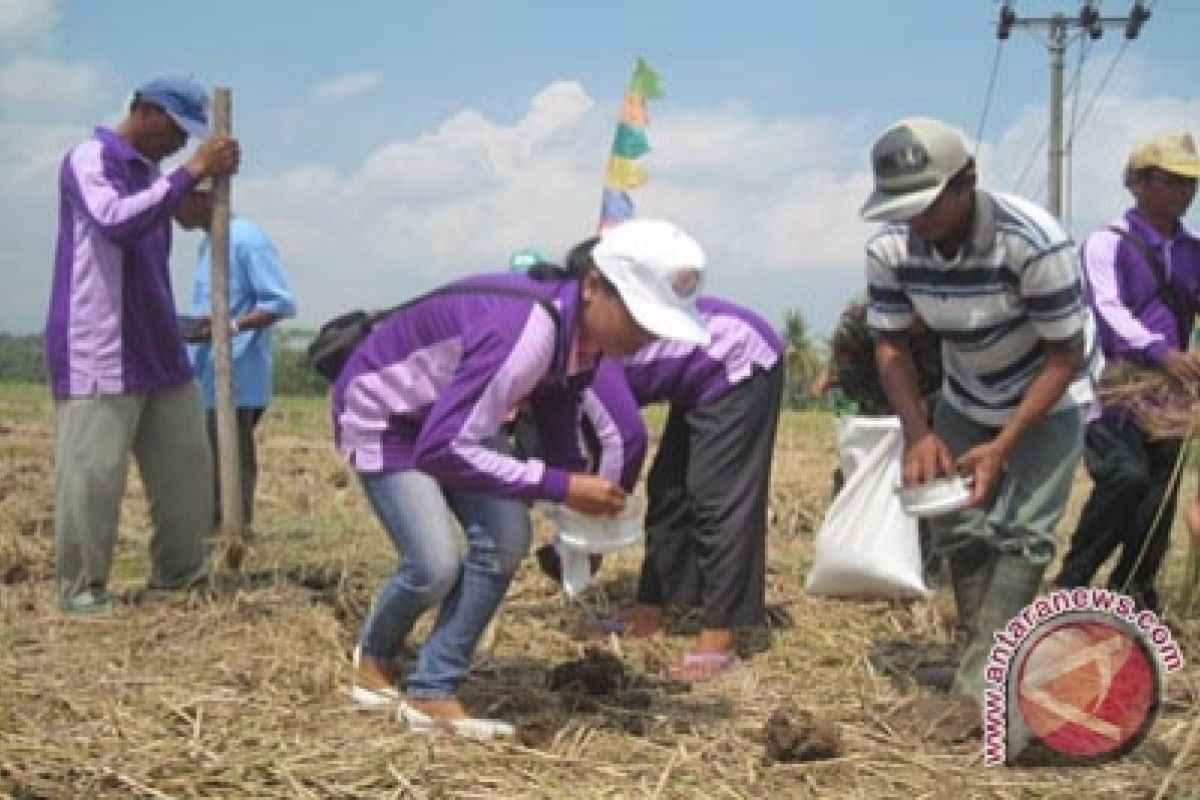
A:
351	84
26	23
774	200
30	81
30	155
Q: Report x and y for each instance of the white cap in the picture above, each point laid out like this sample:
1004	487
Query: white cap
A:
657	269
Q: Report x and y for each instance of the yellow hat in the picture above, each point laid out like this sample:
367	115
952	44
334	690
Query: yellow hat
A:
1174	152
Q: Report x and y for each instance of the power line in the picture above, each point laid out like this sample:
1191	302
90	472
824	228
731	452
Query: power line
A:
1100	89
1076	80
987	101
1057	26
1038	151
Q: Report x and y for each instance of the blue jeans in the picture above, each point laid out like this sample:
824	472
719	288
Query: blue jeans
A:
416	512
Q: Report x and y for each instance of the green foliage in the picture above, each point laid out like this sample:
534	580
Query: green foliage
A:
291	374
805	362
22	359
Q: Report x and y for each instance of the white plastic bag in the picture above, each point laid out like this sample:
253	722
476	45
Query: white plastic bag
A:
867	546
579	537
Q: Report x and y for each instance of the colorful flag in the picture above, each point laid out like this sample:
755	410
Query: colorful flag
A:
624	174
630	143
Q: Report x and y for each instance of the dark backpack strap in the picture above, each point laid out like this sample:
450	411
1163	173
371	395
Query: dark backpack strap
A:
1166	290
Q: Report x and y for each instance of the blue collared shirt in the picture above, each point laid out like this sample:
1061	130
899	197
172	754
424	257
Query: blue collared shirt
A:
256	281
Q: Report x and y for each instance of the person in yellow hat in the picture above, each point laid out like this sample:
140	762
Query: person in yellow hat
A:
1143	272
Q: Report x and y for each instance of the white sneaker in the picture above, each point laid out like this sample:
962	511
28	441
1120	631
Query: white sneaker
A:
472	727
370	699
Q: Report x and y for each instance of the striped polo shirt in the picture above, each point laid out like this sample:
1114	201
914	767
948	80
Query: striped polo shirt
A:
1013	287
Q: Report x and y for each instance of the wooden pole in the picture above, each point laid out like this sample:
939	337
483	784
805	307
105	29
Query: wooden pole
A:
233	523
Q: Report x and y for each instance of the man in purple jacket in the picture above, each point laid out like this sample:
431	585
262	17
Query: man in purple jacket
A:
119	374
1146	319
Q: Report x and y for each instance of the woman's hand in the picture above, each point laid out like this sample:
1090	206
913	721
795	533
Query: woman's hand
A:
591	494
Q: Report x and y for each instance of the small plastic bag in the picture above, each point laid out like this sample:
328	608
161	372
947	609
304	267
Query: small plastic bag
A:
867	545
580	536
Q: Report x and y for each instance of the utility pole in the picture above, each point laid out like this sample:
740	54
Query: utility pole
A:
1058	28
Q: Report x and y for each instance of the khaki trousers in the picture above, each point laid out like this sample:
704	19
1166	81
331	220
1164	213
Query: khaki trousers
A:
164	430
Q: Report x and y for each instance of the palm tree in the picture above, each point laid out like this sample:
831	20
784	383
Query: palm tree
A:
805	359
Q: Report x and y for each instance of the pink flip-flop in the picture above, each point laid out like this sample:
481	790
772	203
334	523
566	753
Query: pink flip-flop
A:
701	666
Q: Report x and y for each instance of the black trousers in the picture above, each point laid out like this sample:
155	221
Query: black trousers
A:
1132	476
706	515
247	421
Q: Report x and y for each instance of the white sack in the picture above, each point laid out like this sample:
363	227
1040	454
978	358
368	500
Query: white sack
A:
867	546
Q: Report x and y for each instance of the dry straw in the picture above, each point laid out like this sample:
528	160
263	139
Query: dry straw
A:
1165	409
239	690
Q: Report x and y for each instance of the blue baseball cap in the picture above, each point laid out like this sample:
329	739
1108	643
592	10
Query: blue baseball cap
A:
182	97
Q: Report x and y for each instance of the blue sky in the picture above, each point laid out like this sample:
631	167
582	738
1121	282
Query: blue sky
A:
389	146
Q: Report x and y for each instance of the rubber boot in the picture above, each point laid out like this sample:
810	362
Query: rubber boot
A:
970	572
1013	584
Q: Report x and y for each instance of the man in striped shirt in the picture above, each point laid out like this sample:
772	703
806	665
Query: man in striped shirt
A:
998	279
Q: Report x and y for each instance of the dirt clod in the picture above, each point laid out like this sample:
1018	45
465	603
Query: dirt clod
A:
599	672
793	735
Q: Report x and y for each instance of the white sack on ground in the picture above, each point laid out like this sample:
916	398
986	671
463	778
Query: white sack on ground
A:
867	546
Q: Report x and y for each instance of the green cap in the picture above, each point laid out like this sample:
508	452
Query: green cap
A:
525	259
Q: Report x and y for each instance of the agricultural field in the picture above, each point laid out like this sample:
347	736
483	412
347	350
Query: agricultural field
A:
240	689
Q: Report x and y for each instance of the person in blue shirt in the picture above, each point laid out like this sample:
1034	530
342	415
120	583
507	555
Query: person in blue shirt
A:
259	296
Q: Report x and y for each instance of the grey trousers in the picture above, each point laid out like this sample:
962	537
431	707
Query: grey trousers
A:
164	430
247	421
998	552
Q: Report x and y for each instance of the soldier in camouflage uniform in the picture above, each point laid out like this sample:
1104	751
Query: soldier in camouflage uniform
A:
852	363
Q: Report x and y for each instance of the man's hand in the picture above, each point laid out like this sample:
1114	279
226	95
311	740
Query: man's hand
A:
1192	518
591	494
1182	368
199	332
925	459
217	155
985	464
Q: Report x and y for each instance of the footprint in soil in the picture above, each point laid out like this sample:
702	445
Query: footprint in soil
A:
792	735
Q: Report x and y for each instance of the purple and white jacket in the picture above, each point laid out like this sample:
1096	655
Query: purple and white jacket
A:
111	326
1119	281
435	380
684	375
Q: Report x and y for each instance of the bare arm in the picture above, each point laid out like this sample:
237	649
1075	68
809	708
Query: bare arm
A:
986	461
925	455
